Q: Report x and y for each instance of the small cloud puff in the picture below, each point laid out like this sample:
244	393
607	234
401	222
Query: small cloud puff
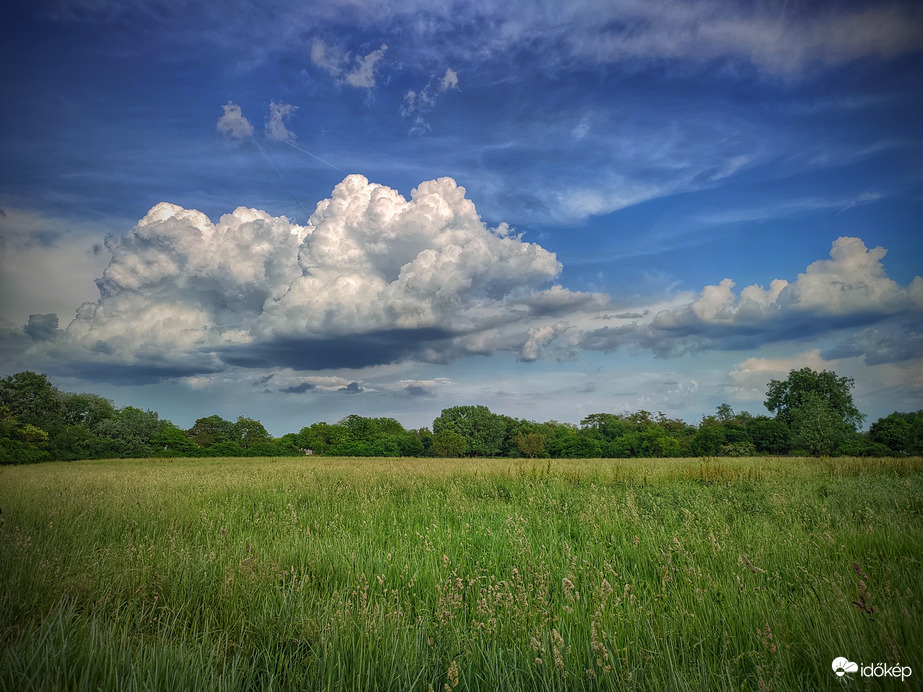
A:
275	126
233	123
449	80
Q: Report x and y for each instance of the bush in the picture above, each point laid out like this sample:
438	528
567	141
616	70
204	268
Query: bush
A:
739	449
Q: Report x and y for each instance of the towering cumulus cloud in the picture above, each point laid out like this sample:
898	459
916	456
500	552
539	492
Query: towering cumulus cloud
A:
373	278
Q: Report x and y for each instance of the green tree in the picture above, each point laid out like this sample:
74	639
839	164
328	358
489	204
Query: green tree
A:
448	443
482	430
817	427
209	431
807	388
607	426
31	398
249	433
724	413
33	435
129	433
769	435
87	409
902	433
530	444
708	440
657	442
321	437
172	441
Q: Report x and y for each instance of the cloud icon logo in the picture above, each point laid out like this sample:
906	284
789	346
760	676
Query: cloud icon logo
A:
841	666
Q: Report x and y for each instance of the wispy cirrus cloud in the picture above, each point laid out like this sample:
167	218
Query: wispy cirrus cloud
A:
417	103
779	38
354	70
279	113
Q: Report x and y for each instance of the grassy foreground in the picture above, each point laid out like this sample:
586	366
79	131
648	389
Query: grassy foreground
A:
730	574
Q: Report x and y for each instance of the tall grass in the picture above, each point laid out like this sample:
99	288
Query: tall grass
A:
724	574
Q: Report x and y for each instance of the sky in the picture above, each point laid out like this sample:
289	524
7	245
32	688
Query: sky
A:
295	211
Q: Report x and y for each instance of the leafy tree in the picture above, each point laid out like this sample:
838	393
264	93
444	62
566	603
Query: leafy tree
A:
130	432
31	398
209	431
657	442
861	445
901	433
624	447
409	445
288	445
530	443
448	443
574	445
817	427
33	435
607	426
708	440
172	441
806	388
724	413
226	448
769	435
482	430
13	451
425	436
320	437
738	449
248	432
20	444
87	409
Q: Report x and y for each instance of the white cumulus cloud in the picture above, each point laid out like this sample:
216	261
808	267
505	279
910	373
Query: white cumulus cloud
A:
372	278
849	291
853	281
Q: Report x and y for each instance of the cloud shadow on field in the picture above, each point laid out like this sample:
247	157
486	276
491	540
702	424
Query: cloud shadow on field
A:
380	347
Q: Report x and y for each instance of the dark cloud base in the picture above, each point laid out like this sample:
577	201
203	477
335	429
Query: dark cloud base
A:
691	334
123	374
354	351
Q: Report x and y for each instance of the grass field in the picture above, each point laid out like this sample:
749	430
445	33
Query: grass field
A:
368	574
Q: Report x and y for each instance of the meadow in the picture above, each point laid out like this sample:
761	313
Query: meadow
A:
459	574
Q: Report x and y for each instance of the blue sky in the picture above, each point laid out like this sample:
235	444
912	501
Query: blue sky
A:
553	209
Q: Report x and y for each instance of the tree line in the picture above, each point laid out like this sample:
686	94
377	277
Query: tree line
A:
813	414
